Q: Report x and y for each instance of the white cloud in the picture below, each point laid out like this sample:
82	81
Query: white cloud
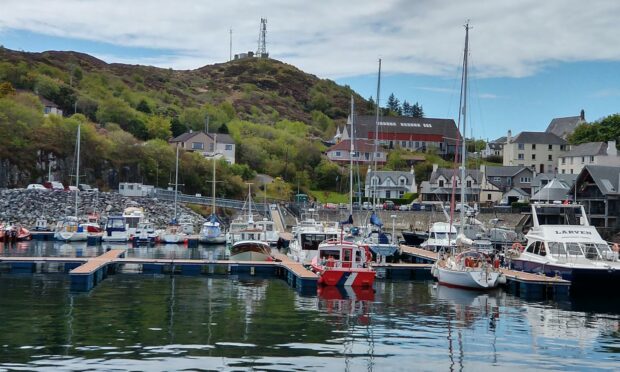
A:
340	38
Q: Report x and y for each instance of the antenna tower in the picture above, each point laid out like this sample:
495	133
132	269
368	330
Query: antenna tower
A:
261	52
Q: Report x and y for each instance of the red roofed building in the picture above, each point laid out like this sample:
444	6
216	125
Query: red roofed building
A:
364	149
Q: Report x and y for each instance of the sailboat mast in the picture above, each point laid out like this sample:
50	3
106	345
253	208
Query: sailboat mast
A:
464	111
213	186
77	169
374	156
176	184
351	153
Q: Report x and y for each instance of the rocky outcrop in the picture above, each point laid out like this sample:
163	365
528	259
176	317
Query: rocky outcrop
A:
26	206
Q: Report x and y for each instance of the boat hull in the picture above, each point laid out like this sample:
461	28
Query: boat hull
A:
470	279
221	239
343	277
71	236
414	238
250	251
582	279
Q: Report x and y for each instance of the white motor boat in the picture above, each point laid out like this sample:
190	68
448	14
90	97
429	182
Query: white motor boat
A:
441	237
145	233
271	235
308	234
211	232
133	216
250	250
115	230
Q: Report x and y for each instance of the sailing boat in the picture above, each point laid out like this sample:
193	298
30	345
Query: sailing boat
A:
69	229
174	233
211	232
471	268
248	243
340	262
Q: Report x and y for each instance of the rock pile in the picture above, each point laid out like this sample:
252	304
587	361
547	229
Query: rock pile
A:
26	206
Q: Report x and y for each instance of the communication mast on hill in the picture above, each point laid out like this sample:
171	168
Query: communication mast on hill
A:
261	52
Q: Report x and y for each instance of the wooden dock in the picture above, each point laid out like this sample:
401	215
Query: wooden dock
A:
417	255
85	277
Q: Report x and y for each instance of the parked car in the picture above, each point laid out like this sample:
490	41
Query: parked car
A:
72	188
366	206
404	207
85	187
389	205
356	206
330	206
343	206
37	186
54	185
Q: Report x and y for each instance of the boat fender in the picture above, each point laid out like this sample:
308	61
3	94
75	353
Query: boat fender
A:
496	263
518	246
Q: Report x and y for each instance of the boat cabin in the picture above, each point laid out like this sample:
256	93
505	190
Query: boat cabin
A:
342	254
311	241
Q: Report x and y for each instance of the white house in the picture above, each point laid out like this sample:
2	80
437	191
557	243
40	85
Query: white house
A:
536	150
135	189
389	184
203	143
363	152
590	153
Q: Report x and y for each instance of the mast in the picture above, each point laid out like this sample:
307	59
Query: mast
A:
77	169
250	217
351	153
213	187
464	112
374	156
176	184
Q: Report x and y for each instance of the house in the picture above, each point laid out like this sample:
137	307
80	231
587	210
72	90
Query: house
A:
135	189
415	134
389	184
598	188
494	148
538	150
591	153
497	182
563	127
515	195
208	144
49	107
364	149
439	187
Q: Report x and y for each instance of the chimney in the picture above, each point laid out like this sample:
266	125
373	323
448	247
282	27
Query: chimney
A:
411	170
435	167
509	136
582	115
611	148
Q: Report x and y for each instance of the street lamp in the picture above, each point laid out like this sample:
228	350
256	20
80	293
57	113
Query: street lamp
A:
393	227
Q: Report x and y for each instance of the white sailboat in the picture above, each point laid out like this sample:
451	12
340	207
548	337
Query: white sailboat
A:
211	232
469	269
69	229
174	233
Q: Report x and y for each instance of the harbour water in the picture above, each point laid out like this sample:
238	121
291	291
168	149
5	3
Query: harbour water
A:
160	322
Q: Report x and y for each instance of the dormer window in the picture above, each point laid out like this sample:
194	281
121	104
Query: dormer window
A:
441	183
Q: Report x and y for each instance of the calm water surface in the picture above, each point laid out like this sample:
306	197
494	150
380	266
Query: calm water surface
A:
159	322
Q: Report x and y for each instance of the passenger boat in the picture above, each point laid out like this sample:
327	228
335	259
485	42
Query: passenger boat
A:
115	230
250	250
307	236
13	233
211	232
561	242
441	237
69	229
342	263
470	269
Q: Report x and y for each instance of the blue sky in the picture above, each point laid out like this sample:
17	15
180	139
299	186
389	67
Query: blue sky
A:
530	61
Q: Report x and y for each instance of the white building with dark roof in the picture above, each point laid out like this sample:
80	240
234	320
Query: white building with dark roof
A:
363	152
415	134
439	186
537	150
590	153
208	144
389	184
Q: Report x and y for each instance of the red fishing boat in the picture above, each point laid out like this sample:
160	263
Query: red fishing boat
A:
342	263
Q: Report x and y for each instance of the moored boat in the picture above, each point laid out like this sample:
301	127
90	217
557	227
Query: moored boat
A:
470	269
250	250
211	232
13	233
69	229
341	263
115	230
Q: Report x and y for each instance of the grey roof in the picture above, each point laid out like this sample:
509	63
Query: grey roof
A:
554	190
222	138
507	171
562	127
516	191
606	178
501	140
587	149
447	173
393	175
496	145
365	126
538	137
568	179
184	137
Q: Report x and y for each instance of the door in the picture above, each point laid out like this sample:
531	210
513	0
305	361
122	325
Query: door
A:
346	257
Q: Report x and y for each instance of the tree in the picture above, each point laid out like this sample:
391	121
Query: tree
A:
602	130
417	111
407	108
326	175
393	104
144	106
6	89
223	129
158	127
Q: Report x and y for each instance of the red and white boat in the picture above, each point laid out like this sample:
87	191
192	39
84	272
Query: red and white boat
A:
342	263
13	233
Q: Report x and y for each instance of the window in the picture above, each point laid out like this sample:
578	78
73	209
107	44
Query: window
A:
533	146
488	196
563	171
402	182
521	146
403	143
562	147
497	179
401	194
468	183
198	146
550	147
533	156
521	157
583	159
337	154
550	157
388	195
228	147
525	180
441	183
591	159
563	160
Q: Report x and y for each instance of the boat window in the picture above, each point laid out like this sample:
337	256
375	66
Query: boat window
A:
358	256
556	248
116	223
132	222
574	249
325	254
531	248
347	255
590	251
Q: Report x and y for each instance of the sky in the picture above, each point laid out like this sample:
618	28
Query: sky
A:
529	60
